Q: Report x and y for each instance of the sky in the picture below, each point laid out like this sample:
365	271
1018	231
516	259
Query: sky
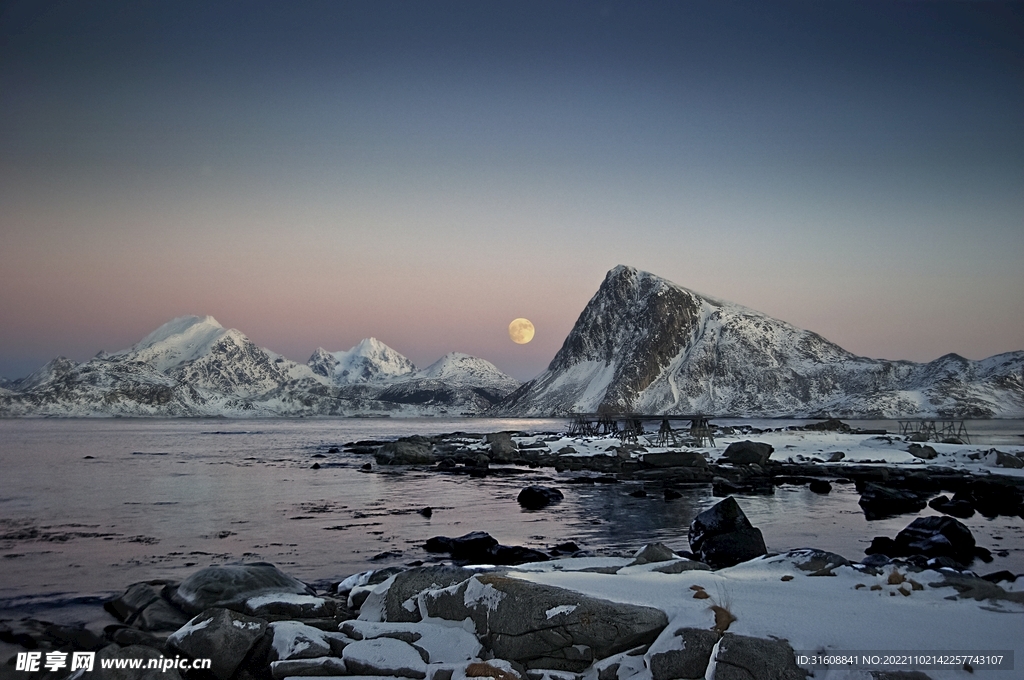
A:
314	173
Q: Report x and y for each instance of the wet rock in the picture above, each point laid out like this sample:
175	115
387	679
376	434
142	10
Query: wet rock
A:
931	537
515	554
471	547
230	586
722	536
669	459
567	548
410	451
992	499
747	452
222	635
427	512
957	508
544	626
536	497
744	658
672	494
137	597
925	452
1000	576
880	502
384	656
685	654
160	616
820	486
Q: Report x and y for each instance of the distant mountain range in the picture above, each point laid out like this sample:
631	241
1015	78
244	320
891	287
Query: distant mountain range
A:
642	344
646	345
193	366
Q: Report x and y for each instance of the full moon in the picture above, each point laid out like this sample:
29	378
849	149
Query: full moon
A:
521	331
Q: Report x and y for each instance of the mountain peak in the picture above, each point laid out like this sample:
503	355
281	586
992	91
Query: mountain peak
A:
370	360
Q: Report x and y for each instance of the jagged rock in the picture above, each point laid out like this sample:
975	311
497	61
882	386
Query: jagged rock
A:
747	452
294	640
222	635
723	536
130	652
925	452
384	656
230	586
503	449
322	667
749	658
683	655
543	626
879	502
536	497
405	453
674	459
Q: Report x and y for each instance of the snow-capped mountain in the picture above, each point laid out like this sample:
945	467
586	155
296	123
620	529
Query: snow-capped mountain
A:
369	361
193	366
644	344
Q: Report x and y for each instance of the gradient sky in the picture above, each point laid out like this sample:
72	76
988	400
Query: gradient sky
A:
313	173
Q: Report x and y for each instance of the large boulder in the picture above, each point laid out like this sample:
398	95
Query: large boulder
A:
924	452
399	600
880	502
384	656
543	626
722	536
222	635
294	640
683	655
937	537
503	449
405	452
230	586
535	497
747	453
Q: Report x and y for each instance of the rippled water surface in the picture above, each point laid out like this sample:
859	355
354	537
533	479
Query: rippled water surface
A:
90	506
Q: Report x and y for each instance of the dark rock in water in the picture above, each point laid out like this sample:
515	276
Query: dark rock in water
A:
466	547
820	486
427	512
231	585
366	467
160	616
747	452
672	494
880	502
536	497
334	449
687	658
222	635
137	597
320	455
515	554
957	508
543	626
740	658
992	499
674	459
930	537
926	452
315	466
639	493
983	554
722	536
567	548
405	452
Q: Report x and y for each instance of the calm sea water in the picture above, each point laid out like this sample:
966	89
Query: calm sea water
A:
90	506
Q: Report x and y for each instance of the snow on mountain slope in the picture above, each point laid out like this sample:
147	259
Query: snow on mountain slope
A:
645	344
461	381
176	342
369	361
